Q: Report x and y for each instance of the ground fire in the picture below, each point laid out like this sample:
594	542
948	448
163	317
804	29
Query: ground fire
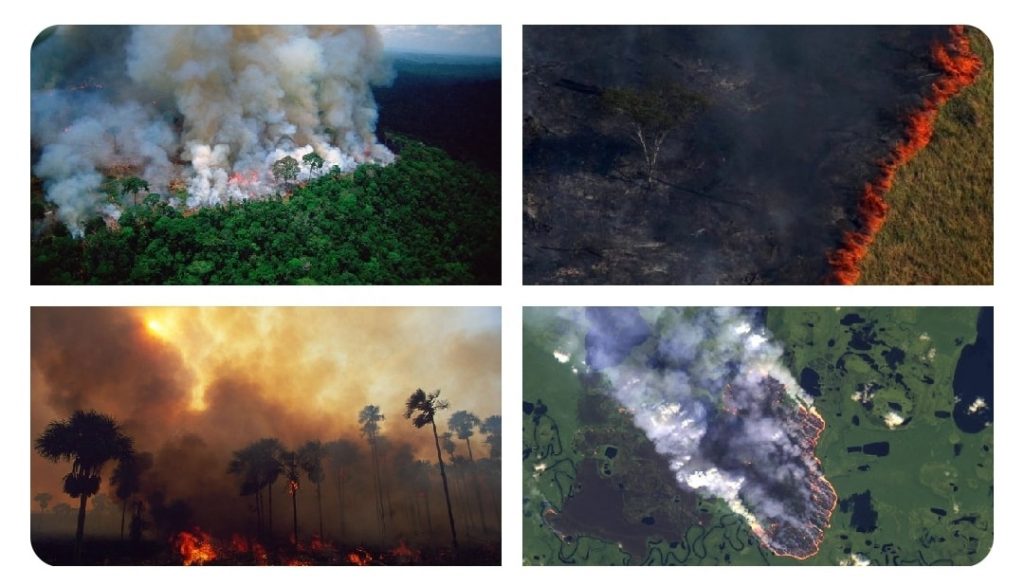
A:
958	67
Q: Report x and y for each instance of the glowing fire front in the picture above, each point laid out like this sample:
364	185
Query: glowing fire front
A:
958	67
195	547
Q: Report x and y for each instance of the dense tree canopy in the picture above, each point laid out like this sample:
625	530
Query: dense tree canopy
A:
426	219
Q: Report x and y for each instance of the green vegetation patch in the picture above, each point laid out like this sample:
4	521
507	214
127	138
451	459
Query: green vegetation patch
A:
426	219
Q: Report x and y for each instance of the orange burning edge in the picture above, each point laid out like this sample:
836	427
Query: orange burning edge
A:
959	67
795	544
196	547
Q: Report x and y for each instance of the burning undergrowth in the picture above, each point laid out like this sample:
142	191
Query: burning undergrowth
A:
198	548
709	390
205	110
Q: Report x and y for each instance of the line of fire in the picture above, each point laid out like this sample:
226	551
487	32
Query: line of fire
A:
266	436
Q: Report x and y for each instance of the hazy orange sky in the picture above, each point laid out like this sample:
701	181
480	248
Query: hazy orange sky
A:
232	375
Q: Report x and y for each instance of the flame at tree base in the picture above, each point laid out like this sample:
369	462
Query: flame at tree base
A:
196	547
959	67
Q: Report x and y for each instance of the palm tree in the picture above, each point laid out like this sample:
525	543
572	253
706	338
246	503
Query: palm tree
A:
88	440
133	185
266	455
259	465
243	464
463	423
425	407
290	464
370	418
43	498
311	458
341	454
127	478
458	488
492	428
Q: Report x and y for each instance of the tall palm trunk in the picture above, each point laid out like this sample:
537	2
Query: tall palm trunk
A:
476	486
295	519
124	509
380	494
259	515
341	510
80	531
444	483
320	510
270	510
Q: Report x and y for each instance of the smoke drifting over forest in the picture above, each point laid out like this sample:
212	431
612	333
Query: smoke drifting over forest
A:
199	109
192	386
709	389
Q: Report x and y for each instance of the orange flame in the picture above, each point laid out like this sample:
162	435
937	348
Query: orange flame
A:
404	551
293	487
959	67
244	177
320	545
239	544
822	491
196	548
359	557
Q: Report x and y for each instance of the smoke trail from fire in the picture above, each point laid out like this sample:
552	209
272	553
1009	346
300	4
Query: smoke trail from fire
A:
295	374
709	389
206	109
958	67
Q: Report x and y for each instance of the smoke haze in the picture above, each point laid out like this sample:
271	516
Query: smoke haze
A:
708	387
193	385
202	109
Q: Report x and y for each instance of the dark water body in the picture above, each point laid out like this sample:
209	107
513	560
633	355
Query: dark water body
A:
879	449
850	319
863	516
973	378
894	357
810	382
613	333
596	508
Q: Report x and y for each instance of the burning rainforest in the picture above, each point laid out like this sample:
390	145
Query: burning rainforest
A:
266	436
203	111
708	388
336	155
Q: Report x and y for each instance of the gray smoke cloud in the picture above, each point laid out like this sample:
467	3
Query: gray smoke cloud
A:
708	387
207	109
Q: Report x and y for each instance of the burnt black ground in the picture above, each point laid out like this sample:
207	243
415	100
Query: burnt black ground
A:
756	189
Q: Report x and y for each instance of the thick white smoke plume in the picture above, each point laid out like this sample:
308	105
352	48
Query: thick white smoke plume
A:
205	109
709	388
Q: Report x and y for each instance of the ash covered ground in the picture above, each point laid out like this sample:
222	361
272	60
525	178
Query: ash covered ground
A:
755	189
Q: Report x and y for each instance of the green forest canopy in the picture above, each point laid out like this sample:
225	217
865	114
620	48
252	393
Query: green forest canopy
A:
426	219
